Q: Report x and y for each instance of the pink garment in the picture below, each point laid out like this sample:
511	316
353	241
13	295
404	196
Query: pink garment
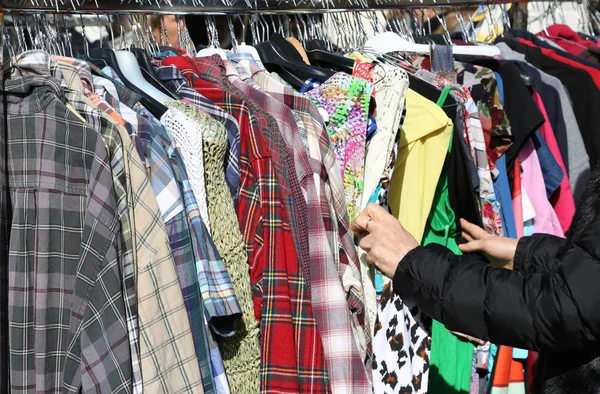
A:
562	200
532	181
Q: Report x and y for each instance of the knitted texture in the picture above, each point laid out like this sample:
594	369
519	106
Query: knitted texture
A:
188	136
346	100
241	352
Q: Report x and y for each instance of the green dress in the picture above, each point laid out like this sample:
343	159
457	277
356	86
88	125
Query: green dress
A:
451	357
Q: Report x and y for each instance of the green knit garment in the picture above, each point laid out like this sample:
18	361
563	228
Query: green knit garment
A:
451	358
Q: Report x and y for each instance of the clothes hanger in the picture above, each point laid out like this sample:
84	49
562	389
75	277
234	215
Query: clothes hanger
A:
392	42
214	41
103	56
293	72
328	59
143	61
319	42
243	47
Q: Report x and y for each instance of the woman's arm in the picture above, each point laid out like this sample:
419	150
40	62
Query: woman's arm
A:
553	311
538	253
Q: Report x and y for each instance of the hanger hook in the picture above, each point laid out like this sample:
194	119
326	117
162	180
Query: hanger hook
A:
234	41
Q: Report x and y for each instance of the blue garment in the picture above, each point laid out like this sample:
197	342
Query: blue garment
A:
504	196
551	171
507	215
500	85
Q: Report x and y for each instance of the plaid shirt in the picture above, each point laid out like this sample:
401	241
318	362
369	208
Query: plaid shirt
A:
273	261
168	359
326	167
215	284
347	372
173	212
40	63
174	79
59	340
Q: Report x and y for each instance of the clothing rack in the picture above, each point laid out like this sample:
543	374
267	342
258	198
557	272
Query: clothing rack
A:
225	7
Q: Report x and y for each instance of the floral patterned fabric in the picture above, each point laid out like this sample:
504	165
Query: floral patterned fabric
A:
346	100
482	84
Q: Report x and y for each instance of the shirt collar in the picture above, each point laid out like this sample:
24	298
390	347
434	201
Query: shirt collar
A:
210	68
170	73
31	94
77	73
31	63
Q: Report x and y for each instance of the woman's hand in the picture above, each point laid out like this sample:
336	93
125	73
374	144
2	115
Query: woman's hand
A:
500	251
386	241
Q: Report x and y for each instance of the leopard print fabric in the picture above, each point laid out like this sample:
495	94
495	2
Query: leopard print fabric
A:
401	340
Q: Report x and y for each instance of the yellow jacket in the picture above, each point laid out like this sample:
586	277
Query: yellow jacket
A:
422	151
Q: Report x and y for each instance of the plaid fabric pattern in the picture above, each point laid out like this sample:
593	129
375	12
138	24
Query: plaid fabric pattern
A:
325	166
168	359
126	96
174	79
167	345
264	226
67	314
347	372
215	284
220	302
72	87
174	216
283	291
294	202
5	225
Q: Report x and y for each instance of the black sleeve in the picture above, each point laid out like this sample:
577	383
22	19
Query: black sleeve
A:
555	311
538	253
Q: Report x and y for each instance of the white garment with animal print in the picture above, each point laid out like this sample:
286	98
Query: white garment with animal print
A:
400	346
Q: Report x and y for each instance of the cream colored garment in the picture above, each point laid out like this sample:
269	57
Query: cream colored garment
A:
188	136
391	95
422	151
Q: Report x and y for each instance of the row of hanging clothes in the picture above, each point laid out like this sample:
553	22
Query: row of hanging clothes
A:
176	211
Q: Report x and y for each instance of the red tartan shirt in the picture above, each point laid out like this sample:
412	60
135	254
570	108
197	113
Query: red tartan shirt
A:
291	347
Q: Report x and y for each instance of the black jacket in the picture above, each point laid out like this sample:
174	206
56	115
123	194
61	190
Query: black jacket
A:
549	303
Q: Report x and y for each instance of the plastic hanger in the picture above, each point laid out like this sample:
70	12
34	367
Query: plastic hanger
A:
293	72
143	60
214	41
243	47
131	70
391	42
148	73
330	60
319	55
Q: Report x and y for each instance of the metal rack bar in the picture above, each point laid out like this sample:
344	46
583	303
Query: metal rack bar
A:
226	7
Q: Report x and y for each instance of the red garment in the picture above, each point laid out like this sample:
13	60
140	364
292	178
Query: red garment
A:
562	200
509	376
291	347
567	38
594	73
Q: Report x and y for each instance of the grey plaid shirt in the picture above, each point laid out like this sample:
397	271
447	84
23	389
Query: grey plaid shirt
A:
67	315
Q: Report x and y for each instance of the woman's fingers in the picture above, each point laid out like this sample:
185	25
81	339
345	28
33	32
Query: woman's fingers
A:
473	246
473	231
367	219
467	236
